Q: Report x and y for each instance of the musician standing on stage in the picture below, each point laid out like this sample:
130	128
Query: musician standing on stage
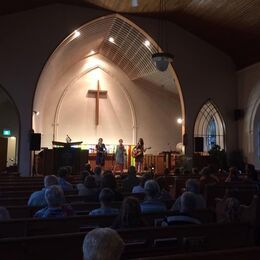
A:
101	153
120	156
139	155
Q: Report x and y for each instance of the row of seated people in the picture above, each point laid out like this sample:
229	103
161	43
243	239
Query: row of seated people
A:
228	210
97	242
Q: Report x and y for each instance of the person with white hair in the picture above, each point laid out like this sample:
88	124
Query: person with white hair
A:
187	205
192	185
37	198
152	203
55	198
102	244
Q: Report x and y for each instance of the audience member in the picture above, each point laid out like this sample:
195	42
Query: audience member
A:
228	210
187	205
192	185
86	171
37	198
106	197
62	175
233	175
97	175
207	177
140	187
164	193
131	180
130	215
152	203
55	198
251	173
194	171
109	181
4	214
89	189
102	244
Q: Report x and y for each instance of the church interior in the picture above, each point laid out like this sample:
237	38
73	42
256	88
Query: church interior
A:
105	103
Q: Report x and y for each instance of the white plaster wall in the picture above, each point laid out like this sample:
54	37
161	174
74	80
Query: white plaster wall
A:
77	112
28	39
249	98
132	109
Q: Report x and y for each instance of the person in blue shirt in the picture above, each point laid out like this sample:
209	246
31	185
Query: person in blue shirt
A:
37	198
106	197
152	203
55	197
62	175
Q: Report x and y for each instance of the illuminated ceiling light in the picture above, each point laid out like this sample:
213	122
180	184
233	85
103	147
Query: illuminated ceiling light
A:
134	3
147	43
179	120
76	33
111	39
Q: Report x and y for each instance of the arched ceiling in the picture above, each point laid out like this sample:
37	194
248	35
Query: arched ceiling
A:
90	46
130	50
231	25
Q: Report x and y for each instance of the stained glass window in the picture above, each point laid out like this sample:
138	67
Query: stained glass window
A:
210	125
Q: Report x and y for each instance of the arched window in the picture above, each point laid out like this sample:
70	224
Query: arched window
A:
210	126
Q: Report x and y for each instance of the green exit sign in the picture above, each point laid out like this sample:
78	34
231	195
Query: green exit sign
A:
6	132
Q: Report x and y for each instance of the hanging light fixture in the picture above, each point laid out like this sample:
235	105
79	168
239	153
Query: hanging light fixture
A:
161	60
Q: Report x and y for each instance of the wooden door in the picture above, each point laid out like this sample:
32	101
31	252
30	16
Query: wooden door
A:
3	153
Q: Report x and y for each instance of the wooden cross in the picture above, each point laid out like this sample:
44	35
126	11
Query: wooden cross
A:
97	94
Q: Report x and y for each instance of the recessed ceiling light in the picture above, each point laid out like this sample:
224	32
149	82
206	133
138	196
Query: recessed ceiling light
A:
179	120
111	39
76	33
147	43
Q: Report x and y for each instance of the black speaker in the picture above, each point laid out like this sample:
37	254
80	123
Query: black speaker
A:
35	142
198	144
185	139
238	114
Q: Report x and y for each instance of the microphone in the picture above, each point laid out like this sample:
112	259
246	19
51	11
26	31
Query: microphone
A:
68	139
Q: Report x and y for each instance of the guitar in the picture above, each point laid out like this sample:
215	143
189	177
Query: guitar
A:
137	151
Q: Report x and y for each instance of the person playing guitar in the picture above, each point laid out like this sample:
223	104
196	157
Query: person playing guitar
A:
138	154
101	153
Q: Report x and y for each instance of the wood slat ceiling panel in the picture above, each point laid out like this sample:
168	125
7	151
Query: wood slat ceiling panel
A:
128	50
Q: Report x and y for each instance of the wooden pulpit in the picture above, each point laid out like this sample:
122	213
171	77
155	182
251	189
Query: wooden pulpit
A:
62	154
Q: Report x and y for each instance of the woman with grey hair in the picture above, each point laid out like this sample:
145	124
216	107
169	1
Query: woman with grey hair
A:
152	203
192	185
188	204
102	244
55	198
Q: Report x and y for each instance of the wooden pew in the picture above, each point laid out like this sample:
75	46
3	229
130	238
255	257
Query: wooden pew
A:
245	253
30	226
244	192
27	193
139	242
